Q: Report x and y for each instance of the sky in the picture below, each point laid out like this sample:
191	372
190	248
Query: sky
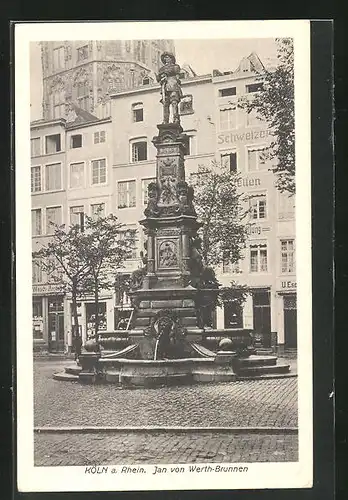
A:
202	55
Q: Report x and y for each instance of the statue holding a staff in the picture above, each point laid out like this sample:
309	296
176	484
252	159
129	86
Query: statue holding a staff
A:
171	92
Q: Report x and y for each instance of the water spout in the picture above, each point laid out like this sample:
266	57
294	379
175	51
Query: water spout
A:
156	350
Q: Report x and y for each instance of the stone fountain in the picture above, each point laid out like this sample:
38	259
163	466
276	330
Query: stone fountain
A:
164	343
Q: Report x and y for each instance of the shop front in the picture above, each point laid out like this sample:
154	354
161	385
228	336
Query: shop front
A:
286	289
48	318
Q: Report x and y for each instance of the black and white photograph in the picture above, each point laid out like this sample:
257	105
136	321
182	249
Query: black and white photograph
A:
164	267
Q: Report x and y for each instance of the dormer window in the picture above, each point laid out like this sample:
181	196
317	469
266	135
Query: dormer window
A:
138	112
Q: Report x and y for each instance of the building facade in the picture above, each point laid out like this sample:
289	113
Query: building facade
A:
218	130
84	72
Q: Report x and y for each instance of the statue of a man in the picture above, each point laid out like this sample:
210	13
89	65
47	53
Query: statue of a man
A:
168	77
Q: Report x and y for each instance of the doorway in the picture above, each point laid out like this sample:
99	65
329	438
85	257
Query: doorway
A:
262	316
290	321
55	324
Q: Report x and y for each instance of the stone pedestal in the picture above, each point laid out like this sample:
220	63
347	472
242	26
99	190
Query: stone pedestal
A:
171	226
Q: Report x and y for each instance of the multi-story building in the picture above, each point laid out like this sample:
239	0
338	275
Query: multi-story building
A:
84	72
48	189
218	129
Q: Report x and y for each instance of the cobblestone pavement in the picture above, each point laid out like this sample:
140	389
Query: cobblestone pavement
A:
162	448
268	402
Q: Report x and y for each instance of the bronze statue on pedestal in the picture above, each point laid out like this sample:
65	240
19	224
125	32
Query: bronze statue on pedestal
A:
168	77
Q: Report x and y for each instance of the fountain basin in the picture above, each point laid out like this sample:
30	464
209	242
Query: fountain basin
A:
150	373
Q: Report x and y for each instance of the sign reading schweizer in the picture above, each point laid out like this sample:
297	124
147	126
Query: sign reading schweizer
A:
252	135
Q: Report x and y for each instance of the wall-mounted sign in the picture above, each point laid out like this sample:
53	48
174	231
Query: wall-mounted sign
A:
287	285
47	288
249	182
252	135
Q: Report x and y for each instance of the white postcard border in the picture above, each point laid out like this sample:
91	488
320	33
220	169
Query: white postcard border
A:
259	475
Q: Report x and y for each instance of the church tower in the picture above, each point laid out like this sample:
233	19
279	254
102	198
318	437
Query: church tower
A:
86	72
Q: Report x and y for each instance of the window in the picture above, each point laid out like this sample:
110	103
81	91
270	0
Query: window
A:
76	141
83	95
287	256
99	171
228	118
52	144
229	161
36	222
126	194
258	258
97	210
99	136
252	119
258	207
257	158
144	185
58	58
138	112
37	318
139	151
227	92
82	53
286	206
253	87
35	146
229	267
131	234
186	105
146	80
77	175
36	272
53	216
58	98
76	214
53	177
35	179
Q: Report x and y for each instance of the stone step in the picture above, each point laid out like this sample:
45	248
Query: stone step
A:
267	376
66	377
73	370
263	370
256	360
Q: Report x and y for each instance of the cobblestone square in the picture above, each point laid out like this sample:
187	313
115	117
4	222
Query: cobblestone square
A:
255	403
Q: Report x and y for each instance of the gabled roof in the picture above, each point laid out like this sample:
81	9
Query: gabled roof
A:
256	65
79	116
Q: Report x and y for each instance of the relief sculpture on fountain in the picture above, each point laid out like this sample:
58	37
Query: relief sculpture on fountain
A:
167	254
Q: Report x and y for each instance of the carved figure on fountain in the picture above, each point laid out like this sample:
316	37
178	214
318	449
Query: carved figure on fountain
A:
152	209
185	199
168	254
171	93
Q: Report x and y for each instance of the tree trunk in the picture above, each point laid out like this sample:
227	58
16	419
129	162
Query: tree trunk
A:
96	303
75	330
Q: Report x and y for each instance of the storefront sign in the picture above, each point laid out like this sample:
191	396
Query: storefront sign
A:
288	285
253	230
252	135
249	182
47	288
